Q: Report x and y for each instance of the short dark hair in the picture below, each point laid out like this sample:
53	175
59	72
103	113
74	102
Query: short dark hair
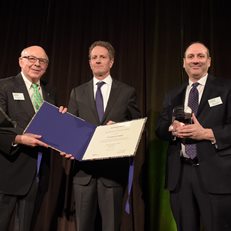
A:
104	44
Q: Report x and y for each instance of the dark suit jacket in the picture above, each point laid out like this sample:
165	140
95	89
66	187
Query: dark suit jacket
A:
121	106
18	164
215	160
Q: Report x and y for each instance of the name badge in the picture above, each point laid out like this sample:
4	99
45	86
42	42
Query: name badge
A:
18	96
215	101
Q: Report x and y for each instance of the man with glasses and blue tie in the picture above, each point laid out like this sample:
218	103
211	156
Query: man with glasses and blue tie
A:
198	172
99	185
23	157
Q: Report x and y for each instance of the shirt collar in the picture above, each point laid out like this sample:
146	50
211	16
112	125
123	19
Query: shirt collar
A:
201	81
107	80
27	81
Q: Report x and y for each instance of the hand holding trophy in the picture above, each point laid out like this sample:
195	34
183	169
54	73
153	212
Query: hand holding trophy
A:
180	117
182	114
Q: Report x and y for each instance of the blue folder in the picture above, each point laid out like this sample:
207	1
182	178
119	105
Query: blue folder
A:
62	132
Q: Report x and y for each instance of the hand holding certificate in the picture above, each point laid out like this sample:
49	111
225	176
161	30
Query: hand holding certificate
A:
70	134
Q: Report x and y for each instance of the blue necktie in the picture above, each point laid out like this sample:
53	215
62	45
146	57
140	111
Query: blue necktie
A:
191	149
99	100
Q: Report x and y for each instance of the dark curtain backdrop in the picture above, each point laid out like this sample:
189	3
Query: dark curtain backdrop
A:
149	37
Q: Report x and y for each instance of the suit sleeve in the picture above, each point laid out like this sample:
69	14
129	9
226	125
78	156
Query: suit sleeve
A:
222	132
73	104
7	135
132	106
165	120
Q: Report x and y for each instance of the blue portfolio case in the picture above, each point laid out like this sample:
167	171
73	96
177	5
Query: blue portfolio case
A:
62	132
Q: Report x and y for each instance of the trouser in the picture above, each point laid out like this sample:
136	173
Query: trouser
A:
193	207
17	211
97	197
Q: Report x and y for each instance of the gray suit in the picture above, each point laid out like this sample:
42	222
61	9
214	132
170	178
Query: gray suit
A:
109	174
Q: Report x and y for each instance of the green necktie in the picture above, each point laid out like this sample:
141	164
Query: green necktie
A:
36	97
37	101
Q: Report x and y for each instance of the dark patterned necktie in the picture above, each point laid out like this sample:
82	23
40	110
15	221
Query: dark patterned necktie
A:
99	100
193	102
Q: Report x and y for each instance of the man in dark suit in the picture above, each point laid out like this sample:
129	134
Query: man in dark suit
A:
20	175
199	181
99	185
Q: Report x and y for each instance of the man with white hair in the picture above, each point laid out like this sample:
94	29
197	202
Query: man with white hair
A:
24	159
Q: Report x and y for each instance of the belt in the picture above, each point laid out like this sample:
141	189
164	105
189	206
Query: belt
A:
193	162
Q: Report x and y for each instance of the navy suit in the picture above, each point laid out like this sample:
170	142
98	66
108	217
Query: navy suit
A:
18	165
112	173
214	170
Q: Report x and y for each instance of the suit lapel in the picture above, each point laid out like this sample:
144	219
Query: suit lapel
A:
20	87
208	93
112	97
91	100
27	104
180	96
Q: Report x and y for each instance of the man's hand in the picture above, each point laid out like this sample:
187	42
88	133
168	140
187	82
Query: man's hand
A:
174	126
110	122
195	131
62	109
67	156
31	140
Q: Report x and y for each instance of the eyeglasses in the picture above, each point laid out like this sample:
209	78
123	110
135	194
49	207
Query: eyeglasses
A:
33	59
